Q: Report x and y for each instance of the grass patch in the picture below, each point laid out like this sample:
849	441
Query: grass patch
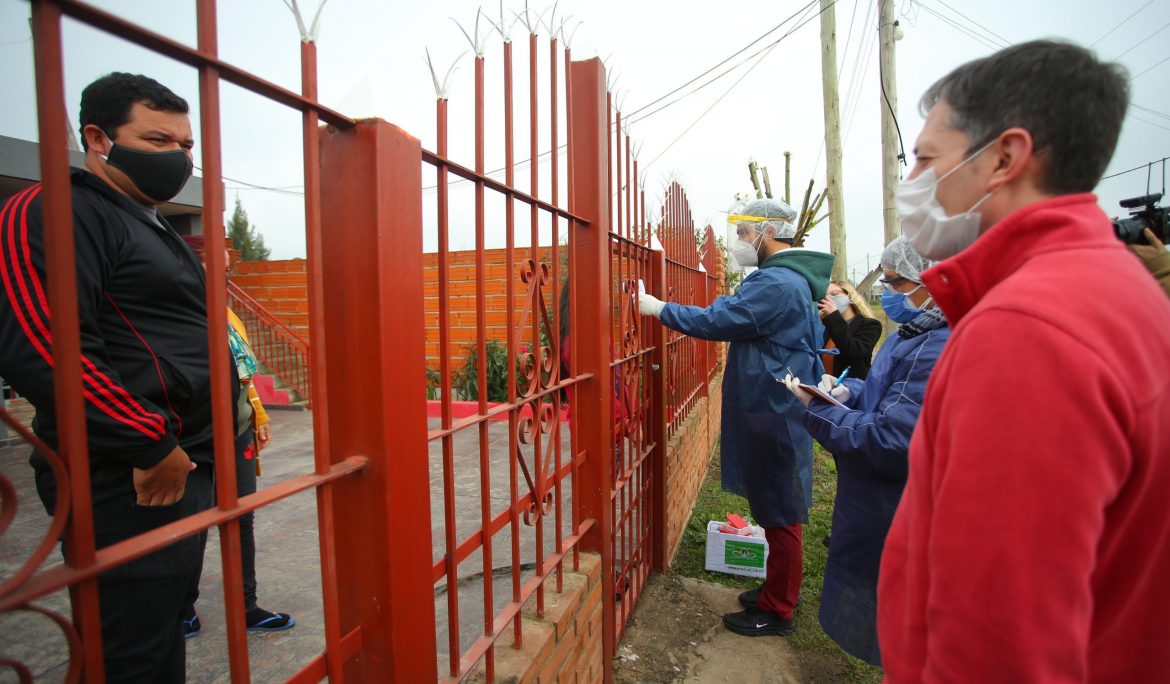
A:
714	504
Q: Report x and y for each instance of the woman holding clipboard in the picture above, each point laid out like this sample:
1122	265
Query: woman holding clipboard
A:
870	440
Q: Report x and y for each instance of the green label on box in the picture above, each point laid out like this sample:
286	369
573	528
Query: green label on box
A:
743	554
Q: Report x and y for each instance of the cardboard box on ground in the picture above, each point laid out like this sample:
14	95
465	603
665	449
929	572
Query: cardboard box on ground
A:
736	554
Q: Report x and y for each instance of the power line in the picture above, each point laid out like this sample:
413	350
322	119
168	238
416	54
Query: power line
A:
1122	22
1151	68
1147	165
1150	111
985	42
737	82
1003	40
767	48
725	61
1135	45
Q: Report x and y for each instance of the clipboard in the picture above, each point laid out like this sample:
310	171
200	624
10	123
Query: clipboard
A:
822	395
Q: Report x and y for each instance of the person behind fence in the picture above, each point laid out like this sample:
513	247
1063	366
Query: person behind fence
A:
1032	543
850	328
772	324
253	434
870	440
145	366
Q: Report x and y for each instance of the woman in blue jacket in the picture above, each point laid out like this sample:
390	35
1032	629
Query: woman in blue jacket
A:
772	324
870	441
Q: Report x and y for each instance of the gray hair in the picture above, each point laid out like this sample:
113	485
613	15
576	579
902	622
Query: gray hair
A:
1071	104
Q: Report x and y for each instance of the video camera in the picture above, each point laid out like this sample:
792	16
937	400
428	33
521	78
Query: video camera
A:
1145	213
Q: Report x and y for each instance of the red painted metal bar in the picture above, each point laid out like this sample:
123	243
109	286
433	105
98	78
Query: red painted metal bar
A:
115	555
510	322
554	326
511	611
223	424
572	285
196	58
60	273
371	178
440	159
658	416
473	541
448	446
533	250
319	390
590	322
485	481
318	668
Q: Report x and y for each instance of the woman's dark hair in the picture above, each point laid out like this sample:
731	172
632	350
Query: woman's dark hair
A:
106	102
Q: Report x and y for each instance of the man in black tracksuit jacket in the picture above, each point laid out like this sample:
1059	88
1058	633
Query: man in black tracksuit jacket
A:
145	369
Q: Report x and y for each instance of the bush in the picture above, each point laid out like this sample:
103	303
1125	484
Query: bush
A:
466	380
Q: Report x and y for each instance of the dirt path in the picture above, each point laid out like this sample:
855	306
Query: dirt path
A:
676	635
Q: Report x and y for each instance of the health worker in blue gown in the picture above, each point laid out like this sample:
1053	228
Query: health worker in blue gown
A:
772	324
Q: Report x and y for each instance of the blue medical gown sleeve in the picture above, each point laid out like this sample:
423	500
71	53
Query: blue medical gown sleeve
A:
752	312
879	429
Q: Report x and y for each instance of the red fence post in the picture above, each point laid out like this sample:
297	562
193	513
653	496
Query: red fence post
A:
591	324
372	268
659	360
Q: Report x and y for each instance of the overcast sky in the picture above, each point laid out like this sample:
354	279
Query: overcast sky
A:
372	63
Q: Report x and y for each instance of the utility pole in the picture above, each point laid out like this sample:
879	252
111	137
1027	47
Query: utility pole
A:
887	28
833	137
788	178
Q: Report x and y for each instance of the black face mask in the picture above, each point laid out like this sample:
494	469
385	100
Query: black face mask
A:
159	175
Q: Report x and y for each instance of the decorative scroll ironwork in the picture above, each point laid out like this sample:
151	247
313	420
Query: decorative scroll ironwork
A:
539	372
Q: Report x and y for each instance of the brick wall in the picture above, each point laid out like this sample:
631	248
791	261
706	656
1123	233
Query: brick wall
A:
565	644
687	455
282	288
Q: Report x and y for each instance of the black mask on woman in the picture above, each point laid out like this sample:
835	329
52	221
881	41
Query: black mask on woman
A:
159	175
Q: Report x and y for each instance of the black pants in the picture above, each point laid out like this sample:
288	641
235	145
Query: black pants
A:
142	601
245	485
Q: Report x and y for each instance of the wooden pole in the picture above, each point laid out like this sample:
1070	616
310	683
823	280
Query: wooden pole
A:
832	109
889	105
788	178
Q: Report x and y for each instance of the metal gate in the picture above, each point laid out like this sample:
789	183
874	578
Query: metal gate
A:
569	459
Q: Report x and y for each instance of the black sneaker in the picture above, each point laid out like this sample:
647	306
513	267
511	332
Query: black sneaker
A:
191	626
751	598
260	620
755	622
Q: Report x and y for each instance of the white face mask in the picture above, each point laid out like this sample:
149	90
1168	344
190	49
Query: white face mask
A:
930	231
746	254
841	302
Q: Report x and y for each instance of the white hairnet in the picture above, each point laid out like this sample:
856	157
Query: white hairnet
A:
769	217
900	257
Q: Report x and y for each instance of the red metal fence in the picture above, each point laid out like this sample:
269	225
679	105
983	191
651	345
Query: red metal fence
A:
421	604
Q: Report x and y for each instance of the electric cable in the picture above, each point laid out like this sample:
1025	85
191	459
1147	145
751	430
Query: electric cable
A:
1121	23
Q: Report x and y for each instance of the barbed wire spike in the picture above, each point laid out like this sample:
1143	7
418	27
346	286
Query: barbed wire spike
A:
308	35
527	19
441	90
568	40
503	28
476	45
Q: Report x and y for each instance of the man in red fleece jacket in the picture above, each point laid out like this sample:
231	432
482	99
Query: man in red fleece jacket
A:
1032	543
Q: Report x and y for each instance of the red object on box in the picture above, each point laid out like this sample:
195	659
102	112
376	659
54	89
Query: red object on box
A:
736	521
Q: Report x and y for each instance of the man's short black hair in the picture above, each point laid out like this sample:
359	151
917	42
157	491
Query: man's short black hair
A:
1071	103
107	101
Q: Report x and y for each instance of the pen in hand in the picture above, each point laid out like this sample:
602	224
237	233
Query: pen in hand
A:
844	374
